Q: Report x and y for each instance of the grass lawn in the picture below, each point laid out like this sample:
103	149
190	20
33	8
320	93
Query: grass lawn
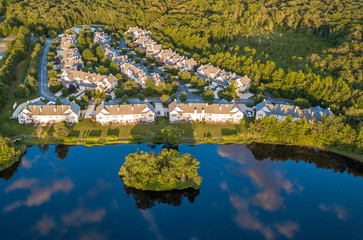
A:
89	128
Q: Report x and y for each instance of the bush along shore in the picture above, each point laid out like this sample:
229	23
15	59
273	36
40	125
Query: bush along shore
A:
10	152
164	171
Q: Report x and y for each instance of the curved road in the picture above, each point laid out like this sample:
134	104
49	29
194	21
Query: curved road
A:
43	88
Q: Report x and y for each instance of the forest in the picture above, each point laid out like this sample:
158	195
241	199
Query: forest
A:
294	49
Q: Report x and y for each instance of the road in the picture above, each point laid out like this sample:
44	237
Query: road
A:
43	88
184	88
272	99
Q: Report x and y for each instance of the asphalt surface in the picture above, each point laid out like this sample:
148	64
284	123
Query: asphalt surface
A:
184	88
43	88
271	98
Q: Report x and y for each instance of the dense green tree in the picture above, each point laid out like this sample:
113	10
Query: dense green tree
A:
61	130
208	96
183	97
167	170
171	135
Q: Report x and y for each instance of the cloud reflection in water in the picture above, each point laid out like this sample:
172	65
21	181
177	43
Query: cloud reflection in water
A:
270	182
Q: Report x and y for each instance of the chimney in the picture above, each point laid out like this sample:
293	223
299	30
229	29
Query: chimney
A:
220	107
132	107
190	103
118	108
40	109
195	111
202	111
55	109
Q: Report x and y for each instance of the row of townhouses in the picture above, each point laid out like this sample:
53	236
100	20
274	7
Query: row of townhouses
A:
219	77
86	80
67	54
41	114
281	111
222	78
179	112
142	39
105	40
139	74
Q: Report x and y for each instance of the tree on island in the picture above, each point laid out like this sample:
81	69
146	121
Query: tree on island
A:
167	170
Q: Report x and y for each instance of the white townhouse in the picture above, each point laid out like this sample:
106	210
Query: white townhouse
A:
70	59
281	111
222	78
164	55
125	113
242	83
223	112
172	61
86	80
139	74
186	64
137	32
49	114
66	41
102	38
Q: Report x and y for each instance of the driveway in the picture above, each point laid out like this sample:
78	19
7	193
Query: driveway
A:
43	88
272	99
160	110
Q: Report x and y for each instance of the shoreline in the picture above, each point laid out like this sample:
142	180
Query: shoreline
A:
31	141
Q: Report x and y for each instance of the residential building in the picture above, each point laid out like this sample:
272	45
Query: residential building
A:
125	113
154	49
49	114
139	74
186	65
164	55
172	61
67	41
102	38
242	83
281	111
114	55
137	32
70	59
223	112
222	78
89	80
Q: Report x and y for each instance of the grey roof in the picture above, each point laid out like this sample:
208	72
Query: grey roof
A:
296	112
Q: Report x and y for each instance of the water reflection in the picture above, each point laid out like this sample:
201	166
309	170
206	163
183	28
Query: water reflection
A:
9	172
39	192
147	199
270	186
61	151
321	159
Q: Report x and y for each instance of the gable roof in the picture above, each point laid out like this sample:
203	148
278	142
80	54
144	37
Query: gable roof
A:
124	109
215	108
295	111
44	110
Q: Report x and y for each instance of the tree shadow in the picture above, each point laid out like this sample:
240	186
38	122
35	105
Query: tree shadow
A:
113	132
147	199
228	131
75	134
95	133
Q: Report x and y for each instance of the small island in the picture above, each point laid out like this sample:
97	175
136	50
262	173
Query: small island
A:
167	170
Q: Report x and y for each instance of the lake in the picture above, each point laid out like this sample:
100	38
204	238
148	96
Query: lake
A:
251	191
